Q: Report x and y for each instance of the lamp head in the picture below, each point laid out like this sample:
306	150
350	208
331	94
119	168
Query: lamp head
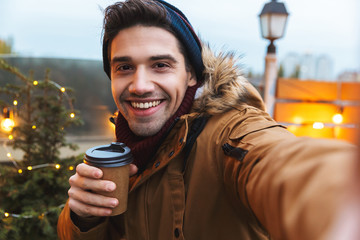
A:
273	18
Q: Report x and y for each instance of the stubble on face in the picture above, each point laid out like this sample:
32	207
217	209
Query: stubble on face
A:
144	126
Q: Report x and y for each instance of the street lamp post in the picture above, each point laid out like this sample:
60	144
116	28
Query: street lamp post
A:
273	18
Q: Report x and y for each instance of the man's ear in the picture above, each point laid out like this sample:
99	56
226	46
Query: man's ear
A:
192	80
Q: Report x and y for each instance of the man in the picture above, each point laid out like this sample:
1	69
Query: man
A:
217	167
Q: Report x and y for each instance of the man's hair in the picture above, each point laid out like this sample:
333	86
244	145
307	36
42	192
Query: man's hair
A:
122	15
156	13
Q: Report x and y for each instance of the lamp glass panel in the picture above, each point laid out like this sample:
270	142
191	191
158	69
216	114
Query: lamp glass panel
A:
264	25
277	25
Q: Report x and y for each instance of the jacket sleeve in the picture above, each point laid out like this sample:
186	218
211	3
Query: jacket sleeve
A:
68	230
292	185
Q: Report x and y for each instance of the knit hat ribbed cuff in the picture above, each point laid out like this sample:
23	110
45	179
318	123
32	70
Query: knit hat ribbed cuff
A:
188	37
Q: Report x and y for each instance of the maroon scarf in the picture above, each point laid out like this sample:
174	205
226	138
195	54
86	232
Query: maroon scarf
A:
144	148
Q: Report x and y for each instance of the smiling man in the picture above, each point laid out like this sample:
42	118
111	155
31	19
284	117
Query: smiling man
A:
149	77
214	167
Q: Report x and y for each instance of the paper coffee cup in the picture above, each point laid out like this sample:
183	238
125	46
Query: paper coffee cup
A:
113	160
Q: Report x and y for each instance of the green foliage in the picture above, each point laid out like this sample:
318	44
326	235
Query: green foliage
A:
281	71
41	117
296	73
36	197
33	198
5	47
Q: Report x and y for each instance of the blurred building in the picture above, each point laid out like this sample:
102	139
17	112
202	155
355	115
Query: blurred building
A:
291	64
349	76
307	66
324	68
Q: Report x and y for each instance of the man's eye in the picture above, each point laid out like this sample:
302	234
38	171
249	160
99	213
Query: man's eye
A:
123	68
161	65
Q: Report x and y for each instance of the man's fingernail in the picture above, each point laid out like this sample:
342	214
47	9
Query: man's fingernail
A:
110	187
97	174
114	203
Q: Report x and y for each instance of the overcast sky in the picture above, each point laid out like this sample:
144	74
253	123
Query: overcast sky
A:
72	28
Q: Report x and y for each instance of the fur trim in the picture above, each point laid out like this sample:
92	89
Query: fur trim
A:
224	86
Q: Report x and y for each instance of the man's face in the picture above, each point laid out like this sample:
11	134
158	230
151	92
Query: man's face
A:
148	77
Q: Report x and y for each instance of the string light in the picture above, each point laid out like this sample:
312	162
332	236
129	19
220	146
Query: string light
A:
56	166
298	120
337	118
7	124
62	89
318	125
39	216
20	171
30	168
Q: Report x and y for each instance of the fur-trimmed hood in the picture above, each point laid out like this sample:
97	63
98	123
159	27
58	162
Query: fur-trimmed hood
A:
224	85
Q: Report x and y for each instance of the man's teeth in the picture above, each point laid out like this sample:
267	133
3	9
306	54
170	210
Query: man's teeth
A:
145	105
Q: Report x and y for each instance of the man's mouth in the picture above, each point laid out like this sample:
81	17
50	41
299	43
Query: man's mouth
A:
145	105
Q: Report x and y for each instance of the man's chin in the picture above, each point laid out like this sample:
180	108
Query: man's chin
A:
144	130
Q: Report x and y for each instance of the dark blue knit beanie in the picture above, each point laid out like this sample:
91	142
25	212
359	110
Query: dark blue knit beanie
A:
186	35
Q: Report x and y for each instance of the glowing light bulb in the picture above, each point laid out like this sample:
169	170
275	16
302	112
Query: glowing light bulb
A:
72	115
35	83
15	102
297	120
71	168
318	125
337	118
62	89
33	127
7	124
57	166
6	214
29	168
8	155
11	137
20	171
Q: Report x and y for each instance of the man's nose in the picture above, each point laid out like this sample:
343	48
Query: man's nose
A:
141	82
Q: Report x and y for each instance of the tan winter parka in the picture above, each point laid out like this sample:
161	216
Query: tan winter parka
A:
228	171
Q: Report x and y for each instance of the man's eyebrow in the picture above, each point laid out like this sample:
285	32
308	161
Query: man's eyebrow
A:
120	59
152	58
162	57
